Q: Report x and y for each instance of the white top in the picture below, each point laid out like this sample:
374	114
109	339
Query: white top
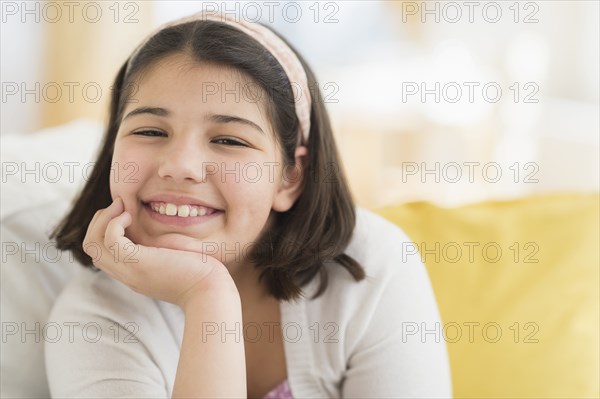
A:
357	340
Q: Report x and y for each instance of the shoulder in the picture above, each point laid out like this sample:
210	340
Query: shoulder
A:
94	296
378	246
375	237
97	309
108	341
94	291
372	311
375	314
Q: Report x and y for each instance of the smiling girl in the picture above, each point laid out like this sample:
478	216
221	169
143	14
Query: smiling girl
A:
233	261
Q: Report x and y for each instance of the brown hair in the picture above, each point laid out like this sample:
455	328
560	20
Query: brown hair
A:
318	227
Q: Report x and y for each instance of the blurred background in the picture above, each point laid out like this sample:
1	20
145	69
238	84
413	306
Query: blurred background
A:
449	102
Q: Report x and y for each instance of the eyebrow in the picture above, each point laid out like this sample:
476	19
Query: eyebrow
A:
216	118
148	110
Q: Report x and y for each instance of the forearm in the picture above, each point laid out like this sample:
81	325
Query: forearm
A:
212	365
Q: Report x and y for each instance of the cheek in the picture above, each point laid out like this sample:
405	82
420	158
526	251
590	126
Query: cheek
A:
250	199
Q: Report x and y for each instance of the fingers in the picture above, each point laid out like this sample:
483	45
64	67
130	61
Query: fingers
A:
123	249
94	242
115	229
90	231
105	216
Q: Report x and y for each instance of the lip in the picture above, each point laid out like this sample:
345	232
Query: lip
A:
180	221
179	200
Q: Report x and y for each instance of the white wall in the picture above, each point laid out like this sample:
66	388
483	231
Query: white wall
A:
21	60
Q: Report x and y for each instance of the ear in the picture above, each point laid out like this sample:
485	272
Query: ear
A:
292	182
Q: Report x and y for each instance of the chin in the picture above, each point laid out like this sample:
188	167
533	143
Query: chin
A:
177	242
180	242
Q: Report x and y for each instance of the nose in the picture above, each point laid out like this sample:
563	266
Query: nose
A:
182	160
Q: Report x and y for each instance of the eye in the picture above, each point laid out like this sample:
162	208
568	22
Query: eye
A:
230	142
150	133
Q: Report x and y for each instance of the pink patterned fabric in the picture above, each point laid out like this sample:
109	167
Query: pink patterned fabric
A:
281	391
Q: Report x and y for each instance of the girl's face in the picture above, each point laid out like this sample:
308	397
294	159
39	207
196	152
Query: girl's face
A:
196	163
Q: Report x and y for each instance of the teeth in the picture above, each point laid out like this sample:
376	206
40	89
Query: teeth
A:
171	209
181	210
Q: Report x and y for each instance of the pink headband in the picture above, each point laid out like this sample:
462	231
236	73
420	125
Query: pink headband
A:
277	47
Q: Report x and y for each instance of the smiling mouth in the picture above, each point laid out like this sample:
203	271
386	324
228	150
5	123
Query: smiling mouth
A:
179	211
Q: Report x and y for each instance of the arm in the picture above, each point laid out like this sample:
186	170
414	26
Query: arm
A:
209	365
212	361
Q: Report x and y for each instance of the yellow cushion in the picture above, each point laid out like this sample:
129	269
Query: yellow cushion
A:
523	322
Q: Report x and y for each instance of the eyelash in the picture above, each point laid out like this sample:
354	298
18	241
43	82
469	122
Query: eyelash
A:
233	143
157	133
142	133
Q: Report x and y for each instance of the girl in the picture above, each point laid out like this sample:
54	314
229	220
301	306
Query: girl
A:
235	263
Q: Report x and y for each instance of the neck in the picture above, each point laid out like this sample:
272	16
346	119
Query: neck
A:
245	277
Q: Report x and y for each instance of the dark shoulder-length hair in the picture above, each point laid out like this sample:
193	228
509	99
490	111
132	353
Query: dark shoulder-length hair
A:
301	241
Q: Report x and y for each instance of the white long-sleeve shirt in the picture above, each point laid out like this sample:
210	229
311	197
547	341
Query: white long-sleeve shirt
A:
358	340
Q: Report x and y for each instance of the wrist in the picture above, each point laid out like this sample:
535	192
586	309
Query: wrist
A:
223	306
218	290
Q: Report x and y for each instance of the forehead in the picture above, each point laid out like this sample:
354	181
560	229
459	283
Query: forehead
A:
184	64
185	85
